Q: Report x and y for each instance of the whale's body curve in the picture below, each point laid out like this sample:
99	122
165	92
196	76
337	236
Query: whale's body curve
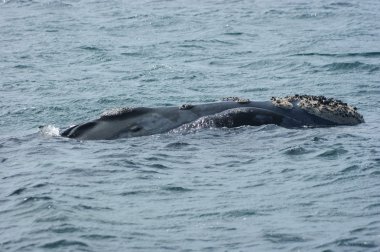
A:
290	112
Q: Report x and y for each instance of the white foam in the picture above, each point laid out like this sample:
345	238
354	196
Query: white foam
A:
49	131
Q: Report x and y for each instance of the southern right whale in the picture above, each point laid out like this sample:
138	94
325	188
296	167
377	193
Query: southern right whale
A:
291	112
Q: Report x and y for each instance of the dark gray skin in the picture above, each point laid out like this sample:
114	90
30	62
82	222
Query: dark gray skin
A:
148	121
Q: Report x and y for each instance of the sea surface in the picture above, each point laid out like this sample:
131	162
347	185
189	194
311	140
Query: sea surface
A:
261	188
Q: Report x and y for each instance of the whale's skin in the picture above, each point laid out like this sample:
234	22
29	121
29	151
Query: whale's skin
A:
142	121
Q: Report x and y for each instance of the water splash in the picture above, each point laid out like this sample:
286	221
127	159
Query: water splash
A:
49	131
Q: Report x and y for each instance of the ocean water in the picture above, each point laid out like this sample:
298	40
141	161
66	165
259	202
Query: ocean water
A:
245	189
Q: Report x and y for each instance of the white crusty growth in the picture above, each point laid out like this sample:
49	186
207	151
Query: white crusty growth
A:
326	108
116	112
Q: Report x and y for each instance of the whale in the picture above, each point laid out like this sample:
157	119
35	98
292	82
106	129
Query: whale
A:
296	111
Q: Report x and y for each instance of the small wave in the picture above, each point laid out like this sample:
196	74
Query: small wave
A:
175	189
372	206
358	230
192	46
253	186
133	193
240	213
33	199
350	242
357	65
176	77
233	33
342	4
211	41
18	191
295	150
222	42
259	64
148	171
274	12
22	66
318	139
57	4
314	15
342	55
206	215
177	145
252	90
87	207
131	54
63	243
150	80
159	166
286	170
90	48
336	181
53	218
283	238
350	169
98	236
19	2
64	228
333	153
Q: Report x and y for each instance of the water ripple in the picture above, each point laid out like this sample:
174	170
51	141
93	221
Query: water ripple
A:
62	244
344	66
297	150
176	189
17	191
351	242
333	153
281	238
342	55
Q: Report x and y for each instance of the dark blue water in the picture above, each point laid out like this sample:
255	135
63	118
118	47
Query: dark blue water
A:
245	189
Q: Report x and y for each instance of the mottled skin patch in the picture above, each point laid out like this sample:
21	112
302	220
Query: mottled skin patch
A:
236	99
122	113
186	106
116	112
326	108
281	103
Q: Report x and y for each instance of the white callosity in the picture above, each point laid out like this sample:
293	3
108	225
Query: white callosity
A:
326	108
116	112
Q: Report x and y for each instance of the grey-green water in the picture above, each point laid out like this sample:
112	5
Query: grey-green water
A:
245	189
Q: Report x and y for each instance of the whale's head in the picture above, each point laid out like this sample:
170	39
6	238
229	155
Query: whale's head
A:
335	111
